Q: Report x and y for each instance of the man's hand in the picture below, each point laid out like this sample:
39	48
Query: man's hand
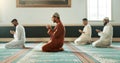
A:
12	32
80	31
98	30
48	27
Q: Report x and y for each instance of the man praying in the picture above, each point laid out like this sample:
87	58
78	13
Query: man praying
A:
105	35
19	36
56	36
85	37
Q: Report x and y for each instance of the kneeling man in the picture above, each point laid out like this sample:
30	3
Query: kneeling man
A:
85	37
105	35
56	36
19	36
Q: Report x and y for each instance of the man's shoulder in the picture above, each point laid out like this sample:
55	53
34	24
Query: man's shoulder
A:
20	26
88	25
109	24
60	24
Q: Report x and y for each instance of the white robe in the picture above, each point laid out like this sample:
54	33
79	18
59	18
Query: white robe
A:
105	37
85	38
19	38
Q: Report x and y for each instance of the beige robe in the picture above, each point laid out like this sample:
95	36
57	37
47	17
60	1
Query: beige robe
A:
85	38
19	38
105	37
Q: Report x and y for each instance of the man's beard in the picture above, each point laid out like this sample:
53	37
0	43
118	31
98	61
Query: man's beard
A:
105	23
15	25
54	21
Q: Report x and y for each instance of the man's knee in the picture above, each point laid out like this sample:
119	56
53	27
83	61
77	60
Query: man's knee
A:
97	44
7	46
45	49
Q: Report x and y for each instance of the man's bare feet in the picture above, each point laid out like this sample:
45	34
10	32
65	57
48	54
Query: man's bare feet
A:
61	49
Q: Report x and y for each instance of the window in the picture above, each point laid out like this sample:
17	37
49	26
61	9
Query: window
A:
98	9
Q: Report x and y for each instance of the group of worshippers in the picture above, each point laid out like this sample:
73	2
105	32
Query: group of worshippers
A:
106	35
57	35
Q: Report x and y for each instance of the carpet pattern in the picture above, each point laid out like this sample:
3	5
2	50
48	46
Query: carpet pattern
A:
103	55
71	54
36	56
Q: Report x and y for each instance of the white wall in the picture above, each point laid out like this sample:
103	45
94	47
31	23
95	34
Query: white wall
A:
116	11
42	16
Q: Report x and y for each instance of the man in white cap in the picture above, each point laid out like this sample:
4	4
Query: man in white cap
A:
19	36
56	36
85	37
105	35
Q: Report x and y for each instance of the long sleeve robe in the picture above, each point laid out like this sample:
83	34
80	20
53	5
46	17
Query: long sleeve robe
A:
19	38
85	37
105	37
56	39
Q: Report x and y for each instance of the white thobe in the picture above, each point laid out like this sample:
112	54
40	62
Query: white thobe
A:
19	38
85	37
105	37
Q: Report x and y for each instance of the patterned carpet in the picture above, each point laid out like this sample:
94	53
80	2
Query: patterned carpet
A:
103	55
72	54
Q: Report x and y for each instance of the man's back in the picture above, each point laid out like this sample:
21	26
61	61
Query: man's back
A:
20	33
